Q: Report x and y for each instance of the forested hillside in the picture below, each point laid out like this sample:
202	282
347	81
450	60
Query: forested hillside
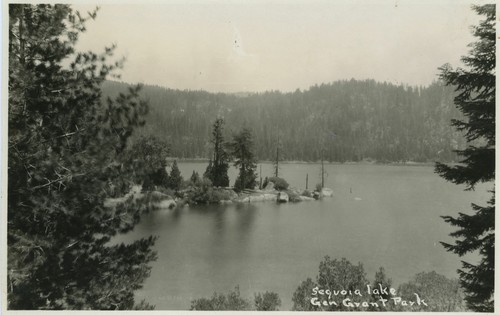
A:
341	121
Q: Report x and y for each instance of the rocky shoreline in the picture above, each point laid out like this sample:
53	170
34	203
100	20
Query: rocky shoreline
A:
251	196
161	200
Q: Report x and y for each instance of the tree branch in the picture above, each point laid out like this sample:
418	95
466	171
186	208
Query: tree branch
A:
55	181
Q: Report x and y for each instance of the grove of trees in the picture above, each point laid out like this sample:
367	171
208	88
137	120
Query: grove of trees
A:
233	301
440	293
340	121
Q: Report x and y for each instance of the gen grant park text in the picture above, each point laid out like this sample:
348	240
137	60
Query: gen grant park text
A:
386	297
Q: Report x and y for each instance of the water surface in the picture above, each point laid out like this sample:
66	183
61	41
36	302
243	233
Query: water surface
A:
379	215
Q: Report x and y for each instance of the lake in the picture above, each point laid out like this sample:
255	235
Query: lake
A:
379	215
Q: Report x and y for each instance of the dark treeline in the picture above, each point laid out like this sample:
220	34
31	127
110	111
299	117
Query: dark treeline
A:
341	121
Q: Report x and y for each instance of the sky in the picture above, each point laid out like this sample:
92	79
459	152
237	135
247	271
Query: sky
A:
243	46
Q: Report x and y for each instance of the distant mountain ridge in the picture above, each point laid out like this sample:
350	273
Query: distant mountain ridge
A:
340	121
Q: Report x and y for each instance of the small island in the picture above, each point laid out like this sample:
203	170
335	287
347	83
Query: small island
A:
166	190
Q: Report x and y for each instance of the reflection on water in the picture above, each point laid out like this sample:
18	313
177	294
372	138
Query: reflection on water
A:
379	215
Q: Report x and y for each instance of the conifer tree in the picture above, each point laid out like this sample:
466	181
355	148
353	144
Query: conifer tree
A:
175	179
242	150
218	173
195	178
475	86
208	170
65	150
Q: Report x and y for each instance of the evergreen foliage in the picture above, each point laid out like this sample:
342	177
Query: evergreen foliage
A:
148	161
333	275
475	85
355	120
302	296
220	302
218	172
268	301
208	170
341	274
195	178
175	179
65	152
242	151
442	294
203	192
381	279
279	183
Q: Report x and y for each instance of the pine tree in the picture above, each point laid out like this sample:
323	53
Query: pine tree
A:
242	150
218	174
475	85
208	170
65	152
175	177
195	178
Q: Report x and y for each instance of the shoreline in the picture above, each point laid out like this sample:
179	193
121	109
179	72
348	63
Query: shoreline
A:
409	163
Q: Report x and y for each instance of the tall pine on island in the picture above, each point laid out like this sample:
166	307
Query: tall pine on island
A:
244	159
65	152
219	165
475	85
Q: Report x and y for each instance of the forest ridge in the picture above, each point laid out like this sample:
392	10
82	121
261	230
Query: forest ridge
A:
341	121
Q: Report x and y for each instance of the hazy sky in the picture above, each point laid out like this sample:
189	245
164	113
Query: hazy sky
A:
231	46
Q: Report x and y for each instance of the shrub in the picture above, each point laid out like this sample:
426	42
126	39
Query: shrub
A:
219	302
446	294
306	193
319	188
250	181
302	296
334	275
186	184
201	192
293	196
166	191
195	178
279	183
269	301
220	194
205	193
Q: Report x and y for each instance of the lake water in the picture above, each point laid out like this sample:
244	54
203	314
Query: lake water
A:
379	215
